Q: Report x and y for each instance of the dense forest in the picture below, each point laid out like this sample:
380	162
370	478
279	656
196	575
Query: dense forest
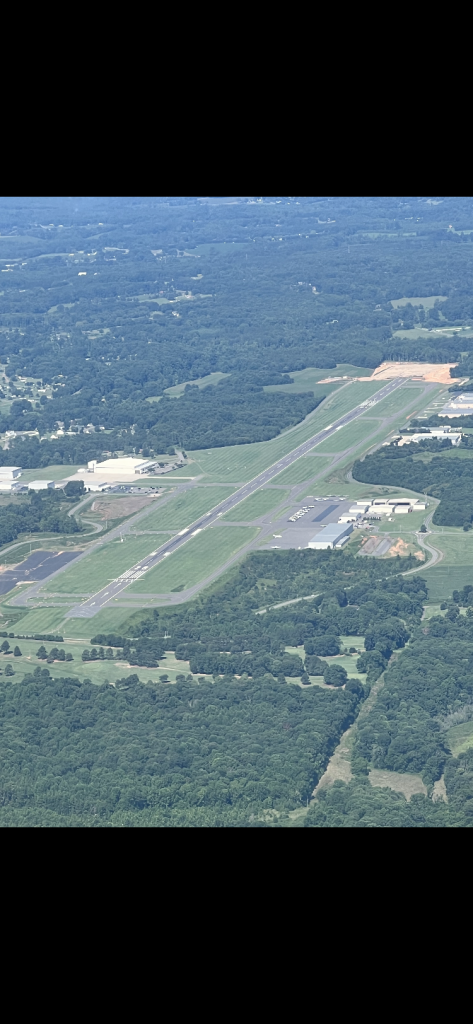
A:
41	512
428	688
223	632
228	751
113	301
78	754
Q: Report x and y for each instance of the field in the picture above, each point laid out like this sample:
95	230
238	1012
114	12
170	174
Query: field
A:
405	523
394	404
457	547
108	620
427	301
195	560
347	661
404	783
442	580
102	565
49	473
308	379
304	469
40	620
201	382
258	504
460	738
98	672
348	436
119	508
183	509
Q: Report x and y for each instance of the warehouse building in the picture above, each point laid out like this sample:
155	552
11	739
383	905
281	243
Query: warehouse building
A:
123	465
460	405
334	535
441	434
40	485
9	472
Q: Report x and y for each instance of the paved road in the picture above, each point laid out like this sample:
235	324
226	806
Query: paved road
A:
437	555
98	601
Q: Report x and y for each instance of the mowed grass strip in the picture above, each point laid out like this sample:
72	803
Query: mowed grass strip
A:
107	620
41	620
256	505
304	469
242	462
184	509
195	560
103	565
353	433
457	547
442	580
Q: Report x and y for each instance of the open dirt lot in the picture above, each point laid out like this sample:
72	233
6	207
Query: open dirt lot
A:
433	372
116	508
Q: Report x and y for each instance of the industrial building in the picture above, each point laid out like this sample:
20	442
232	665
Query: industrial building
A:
122	466
11	486
459	405
334	535
40	485
442	434
9	472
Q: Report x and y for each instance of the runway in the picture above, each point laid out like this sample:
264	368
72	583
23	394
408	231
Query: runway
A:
99	600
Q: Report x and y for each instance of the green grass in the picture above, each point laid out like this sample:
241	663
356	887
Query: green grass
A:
460	738
348	436
240	463
108	620
405	523
98	672
195	560
41	620
308	379
403	398
20	553
423	332
442	580
50	473
353	641
201	382
102	565
304	469
427	301
258	504
347	661
184	509
457	547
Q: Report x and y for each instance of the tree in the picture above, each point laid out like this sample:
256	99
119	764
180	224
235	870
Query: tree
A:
323	646
335	675
17	652
9	670
69	657
42	653
5	647
74	488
